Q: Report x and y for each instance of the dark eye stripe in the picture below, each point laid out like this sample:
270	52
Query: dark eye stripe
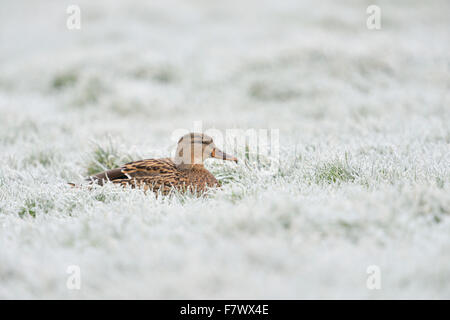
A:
201	141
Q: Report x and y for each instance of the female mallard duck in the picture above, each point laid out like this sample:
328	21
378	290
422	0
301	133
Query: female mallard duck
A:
185	171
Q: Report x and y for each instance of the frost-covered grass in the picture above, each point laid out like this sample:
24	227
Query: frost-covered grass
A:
364	176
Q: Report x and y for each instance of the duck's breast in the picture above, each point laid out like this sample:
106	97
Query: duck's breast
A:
201	178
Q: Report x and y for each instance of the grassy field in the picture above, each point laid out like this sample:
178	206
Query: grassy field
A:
364	175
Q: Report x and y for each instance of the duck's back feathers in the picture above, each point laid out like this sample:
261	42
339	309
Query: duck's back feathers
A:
150	168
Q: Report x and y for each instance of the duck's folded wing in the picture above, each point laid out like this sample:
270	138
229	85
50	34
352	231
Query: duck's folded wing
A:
110	175
150	168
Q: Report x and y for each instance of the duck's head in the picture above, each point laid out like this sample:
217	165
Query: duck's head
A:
194	148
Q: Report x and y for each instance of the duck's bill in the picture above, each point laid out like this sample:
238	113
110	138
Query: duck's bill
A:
216	153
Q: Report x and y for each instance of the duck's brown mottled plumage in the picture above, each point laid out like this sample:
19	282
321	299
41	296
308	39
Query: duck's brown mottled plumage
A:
185	172
158	175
